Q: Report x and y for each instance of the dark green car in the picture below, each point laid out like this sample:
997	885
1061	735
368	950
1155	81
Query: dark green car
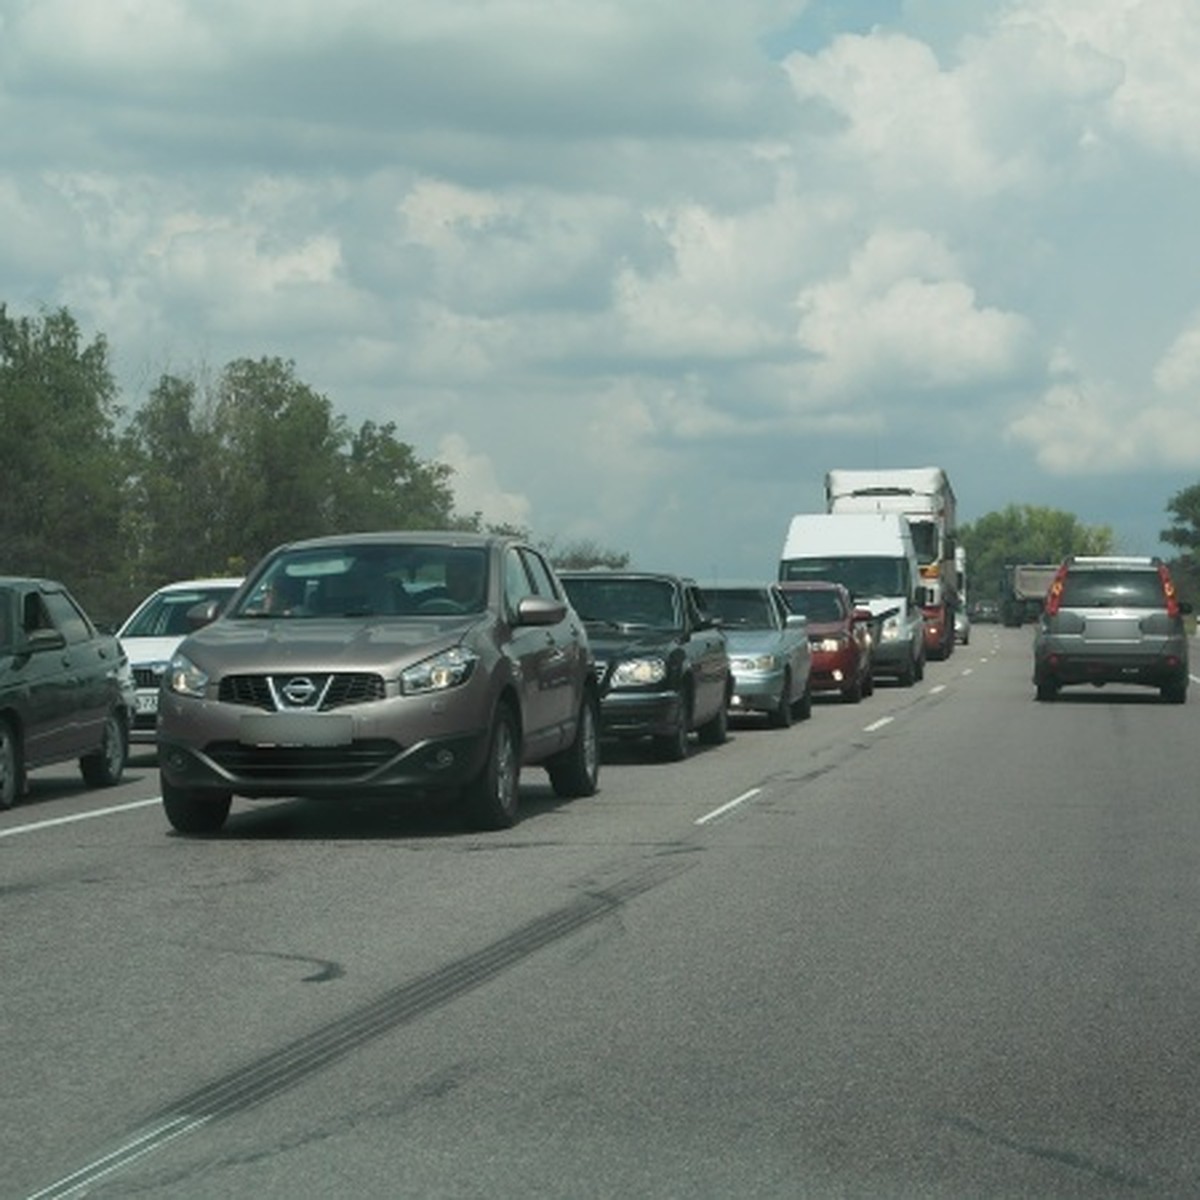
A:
66	688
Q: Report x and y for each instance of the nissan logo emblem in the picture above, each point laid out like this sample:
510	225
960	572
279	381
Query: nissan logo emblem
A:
299	691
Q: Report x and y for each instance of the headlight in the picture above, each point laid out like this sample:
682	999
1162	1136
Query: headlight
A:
446	670
758	662
639	672
829	645
184	678
891	630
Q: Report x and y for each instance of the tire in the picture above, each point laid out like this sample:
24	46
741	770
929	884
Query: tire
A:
575	771
868	683
195	810
104	767
804	704
1047	692
781	715
10	766
715	730
854	693
1175	693
490	800
919	669
908	676
674	746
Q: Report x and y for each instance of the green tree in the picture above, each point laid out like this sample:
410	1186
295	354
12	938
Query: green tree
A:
1184	532
584	554
1024	533
59	456
384	485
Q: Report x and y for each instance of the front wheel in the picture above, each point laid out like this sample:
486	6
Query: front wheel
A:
804	704
10	766
490	799
715	730
195	810
781	715
104	767
575	771
673	746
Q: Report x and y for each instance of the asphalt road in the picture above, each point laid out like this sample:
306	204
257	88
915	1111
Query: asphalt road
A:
940	944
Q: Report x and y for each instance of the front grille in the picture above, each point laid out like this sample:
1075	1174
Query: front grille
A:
301	764
333	691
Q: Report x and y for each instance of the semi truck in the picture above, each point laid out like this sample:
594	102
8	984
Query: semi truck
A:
925	497
1025	588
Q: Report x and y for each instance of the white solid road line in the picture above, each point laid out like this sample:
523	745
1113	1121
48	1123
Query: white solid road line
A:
83	816
874	725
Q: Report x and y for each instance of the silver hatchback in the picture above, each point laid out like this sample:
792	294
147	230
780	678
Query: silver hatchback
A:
1112	620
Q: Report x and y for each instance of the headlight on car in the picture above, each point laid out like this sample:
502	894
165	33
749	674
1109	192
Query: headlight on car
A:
449	669
639	672
829	645
184	678
755	662
891	631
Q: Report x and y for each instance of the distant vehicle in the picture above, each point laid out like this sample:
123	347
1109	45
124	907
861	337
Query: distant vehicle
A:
925	497
662	660
151	633
985	612
1112	620
962	619
839	637
1025	588
66	690
769	651
382	664
872	556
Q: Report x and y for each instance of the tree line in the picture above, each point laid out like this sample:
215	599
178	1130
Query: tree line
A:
210	473
203	479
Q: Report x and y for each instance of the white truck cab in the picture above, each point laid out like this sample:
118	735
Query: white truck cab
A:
871	554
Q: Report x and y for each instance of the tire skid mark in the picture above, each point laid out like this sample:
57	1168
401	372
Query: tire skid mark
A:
282	1069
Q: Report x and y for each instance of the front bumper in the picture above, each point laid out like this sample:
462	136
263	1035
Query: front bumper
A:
759	691
640	714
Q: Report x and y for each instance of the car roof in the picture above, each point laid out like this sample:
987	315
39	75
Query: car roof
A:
1143	562
619	573
386	537
184	585
26	580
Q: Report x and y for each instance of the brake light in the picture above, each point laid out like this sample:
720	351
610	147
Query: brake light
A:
1168	591
1054	595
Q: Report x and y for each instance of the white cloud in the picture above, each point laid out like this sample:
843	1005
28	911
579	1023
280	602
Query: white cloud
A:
476	488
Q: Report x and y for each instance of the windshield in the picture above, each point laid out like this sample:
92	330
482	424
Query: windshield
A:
864	578
624	601
740	608
817	604
925	540
165	615
370	581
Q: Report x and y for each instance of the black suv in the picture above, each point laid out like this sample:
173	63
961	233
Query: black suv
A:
661	658
66	689
1112	620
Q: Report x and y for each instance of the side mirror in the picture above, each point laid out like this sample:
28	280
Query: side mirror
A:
540	610
863	615
797	621
44	639
203	613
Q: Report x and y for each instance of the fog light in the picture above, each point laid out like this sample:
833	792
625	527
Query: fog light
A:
442	759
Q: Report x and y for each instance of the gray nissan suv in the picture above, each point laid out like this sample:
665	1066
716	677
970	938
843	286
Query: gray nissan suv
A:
1112	620
380	664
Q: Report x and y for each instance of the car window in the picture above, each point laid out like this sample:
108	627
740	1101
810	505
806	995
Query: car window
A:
543	581
741	608
165	615
517	584
1113	589
6	622
859	576
625	600
67	617
816	605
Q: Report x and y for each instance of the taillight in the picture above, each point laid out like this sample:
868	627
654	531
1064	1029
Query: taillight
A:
1168	591
1054	595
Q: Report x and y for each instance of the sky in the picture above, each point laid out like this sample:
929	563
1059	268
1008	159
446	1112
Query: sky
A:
642	271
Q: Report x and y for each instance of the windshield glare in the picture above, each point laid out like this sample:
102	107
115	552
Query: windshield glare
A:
740	608
648	602
865	578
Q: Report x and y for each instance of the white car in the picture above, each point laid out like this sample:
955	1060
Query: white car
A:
151	634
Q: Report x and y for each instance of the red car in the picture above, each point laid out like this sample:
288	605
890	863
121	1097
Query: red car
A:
839	636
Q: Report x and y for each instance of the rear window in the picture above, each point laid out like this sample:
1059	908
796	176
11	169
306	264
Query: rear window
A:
1116	588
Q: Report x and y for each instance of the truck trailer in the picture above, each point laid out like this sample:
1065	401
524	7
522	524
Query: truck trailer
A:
1025	588
925	497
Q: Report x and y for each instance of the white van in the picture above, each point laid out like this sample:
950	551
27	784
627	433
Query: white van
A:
872	555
